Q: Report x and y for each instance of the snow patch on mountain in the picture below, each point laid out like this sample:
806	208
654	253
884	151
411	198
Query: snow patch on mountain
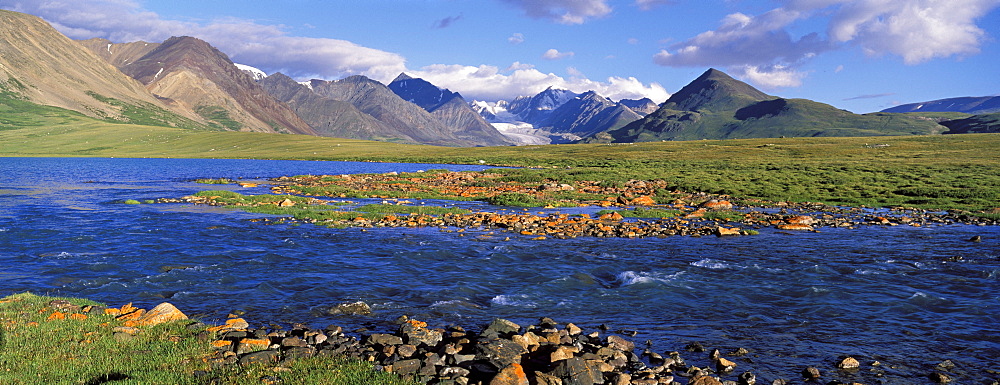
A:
256	73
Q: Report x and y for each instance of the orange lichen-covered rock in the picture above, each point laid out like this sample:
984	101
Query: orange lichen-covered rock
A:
801	220
611	217
164	312
716	204
644	200
133	315
78	316
56	315
791	226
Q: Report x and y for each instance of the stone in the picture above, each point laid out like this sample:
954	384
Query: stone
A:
453	372
162	313
261	357
573	330
622	379
644	200
248	345
286	203
353	308
716	204
801	220
512	374
795	227
848	363
620	343
724	365
293	342
406	350
421	336
939	378
562	353
705	380
501	352
545	379
405	367
384	340
299	352
723	231
810	373
577	371
746	378
501	328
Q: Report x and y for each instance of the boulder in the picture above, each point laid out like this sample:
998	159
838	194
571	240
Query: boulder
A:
620	343
797	227
705	380
577	371
501	328
644	200
723	231
512	374
261	357
500	352
810	373
848	363
716	204
354	308
162	313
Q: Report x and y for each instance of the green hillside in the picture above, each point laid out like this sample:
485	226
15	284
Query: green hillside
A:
716	106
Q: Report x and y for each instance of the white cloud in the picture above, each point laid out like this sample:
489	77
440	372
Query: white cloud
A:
563	11
554	54
916	30
646	5
516	38
838	69
771	78
762	48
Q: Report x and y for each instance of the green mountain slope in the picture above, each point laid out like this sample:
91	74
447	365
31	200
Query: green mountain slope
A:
716	106
976	124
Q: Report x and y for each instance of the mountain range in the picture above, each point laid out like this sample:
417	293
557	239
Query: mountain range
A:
185	82
968	105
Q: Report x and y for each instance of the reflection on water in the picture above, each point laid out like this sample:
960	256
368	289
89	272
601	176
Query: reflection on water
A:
901	295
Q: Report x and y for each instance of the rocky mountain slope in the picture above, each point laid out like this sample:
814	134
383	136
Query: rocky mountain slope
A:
586	115
191	75
449	108
716	106
329	117
969	105
405	118
41	66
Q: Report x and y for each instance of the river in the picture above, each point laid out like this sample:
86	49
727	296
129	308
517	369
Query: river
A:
907	297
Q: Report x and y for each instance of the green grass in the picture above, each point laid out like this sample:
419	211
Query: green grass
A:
215	181
37	350
218	117
935	172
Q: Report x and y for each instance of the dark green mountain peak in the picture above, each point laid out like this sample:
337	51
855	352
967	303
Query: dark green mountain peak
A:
714	90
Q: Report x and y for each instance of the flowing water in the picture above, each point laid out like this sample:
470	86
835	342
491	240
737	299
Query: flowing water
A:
907	297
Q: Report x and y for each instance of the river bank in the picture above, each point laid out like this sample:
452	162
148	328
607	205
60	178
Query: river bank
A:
499	353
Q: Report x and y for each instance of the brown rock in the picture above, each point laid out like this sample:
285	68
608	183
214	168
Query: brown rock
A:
513	374
562	353
724	365
716	204
286	203
162	313
790	226
801	220
848	363
705	380
619	343
248	345
545	379
810	373
722	231
644	200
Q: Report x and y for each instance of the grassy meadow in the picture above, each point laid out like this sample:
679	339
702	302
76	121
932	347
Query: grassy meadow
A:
935	172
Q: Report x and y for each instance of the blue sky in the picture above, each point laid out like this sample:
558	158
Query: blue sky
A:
859	55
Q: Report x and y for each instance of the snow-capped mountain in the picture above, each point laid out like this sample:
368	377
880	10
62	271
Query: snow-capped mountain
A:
257	74
554	116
